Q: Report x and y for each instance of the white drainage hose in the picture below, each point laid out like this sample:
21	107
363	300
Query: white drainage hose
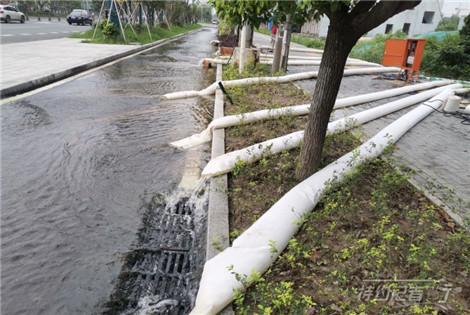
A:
257	248
292	62
225	163
246	118
317	63
280	79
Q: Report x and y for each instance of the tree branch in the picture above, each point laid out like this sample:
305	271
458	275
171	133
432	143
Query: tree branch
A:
362	7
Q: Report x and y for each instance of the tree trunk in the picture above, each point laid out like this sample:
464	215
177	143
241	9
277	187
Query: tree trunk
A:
339	43
242	49
251	35
286	46
277	51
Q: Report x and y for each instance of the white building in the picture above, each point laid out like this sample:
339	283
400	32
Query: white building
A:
421	19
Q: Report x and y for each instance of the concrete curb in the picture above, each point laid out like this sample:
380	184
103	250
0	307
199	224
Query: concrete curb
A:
51	78
217	214
217	217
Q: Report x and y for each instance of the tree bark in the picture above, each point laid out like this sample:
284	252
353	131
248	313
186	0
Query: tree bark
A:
277	51
337	47
249	34
242	49
286	40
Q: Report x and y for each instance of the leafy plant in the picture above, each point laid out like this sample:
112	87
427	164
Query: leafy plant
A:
108	29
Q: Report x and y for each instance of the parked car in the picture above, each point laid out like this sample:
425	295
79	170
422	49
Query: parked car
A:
81	17
9	13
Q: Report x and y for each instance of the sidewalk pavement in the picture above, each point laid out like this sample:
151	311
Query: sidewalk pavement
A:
32	61
437	149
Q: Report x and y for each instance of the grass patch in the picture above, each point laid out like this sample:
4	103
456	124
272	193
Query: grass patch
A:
142	34
374	225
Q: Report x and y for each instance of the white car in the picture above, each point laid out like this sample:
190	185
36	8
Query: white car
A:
9	13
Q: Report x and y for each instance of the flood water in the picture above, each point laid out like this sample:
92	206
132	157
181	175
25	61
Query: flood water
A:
79	164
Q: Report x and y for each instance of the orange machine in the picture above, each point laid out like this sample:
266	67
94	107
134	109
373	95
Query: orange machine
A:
406	54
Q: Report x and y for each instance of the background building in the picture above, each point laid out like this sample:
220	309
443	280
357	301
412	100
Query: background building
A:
422	19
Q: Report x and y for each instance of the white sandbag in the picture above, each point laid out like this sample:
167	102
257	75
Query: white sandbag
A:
298	49
225	163
297	110
280	79
270	56
318	62
299	57
222	61
256	248
241	119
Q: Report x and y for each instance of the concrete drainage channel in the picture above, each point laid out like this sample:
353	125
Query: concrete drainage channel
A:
161	274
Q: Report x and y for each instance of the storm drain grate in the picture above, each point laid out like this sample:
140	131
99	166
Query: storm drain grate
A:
159	274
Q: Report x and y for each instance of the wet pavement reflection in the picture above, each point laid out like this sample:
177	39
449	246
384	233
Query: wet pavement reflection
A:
80	162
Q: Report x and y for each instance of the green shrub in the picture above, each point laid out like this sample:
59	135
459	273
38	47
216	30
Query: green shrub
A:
443	58
450	57
108	29
448	23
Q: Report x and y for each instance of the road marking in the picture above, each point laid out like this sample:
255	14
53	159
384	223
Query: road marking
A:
54	33
65	32
41	33
26	34
6	35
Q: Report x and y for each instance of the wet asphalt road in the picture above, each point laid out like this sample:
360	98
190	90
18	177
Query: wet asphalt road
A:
33	30
78	163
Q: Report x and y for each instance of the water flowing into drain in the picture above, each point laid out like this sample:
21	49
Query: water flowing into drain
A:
161	273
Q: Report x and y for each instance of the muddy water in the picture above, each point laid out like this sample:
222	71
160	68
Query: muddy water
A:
80	164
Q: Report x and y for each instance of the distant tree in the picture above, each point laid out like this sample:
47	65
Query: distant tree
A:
255	12
238	12
448	23
465	35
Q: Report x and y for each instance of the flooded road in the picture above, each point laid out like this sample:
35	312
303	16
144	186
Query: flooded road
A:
80	162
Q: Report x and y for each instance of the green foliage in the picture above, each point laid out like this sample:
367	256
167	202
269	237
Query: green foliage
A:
449	57
448	23
237	12
177	12
255	12
238	167
108	29
443	57
225	27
